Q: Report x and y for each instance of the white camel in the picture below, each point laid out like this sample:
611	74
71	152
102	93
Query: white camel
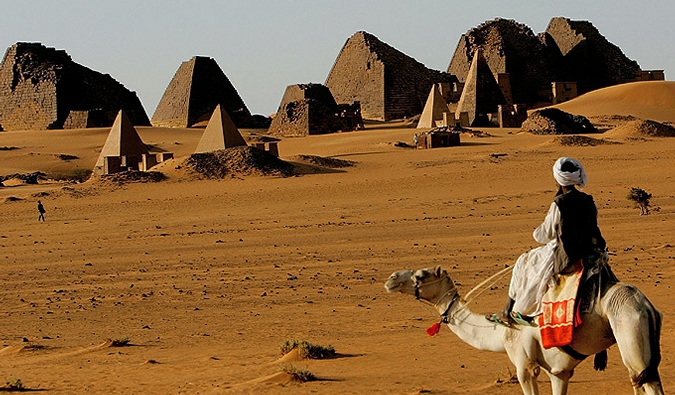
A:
623	316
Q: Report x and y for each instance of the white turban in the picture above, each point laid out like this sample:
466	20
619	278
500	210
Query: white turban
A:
566	179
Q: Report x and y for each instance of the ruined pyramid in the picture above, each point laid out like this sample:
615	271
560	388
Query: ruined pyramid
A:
196	89
433	110
43	88
122	141
509	48
481	95
220	133
388	83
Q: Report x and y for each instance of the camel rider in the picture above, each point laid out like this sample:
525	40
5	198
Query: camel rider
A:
569	233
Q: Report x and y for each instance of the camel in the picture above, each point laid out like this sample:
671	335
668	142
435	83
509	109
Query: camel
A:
623	315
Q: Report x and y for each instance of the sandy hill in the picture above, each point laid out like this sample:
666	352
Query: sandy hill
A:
647	100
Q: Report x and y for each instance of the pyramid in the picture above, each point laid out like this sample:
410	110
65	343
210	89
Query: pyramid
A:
220	133
481	94
196	89
43	88
123	140
433	110
510	48
388	83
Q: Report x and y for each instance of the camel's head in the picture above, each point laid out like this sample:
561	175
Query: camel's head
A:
400	281
428	284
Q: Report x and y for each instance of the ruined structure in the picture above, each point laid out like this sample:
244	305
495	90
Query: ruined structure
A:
512	49
388	84
442	136
124	150
307	109
42	88
481	95
434	110
568	59
196	89
555	121
592	61
220	133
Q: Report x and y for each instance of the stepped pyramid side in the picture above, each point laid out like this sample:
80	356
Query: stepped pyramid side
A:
433	109
198	86
43	88
220	133
123	140
388	83
481	95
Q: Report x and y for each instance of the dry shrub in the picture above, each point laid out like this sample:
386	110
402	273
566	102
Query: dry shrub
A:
299	375
307	350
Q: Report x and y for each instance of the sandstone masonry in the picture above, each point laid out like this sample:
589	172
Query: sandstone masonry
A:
198	86
388	84
42	88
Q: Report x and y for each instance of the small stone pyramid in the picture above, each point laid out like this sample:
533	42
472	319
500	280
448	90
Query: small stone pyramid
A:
123	140
481	94
433	109
220	133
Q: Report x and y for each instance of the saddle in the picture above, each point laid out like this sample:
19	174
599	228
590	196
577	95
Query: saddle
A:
576	293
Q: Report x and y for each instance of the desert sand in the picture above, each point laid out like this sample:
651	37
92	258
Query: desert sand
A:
189	286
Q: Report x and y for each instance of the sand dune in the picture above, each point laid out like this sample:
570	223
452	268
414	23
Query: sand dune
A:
647	100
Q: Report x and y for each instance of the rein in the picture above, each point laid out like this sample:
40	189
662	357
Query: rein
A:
444	319
434	329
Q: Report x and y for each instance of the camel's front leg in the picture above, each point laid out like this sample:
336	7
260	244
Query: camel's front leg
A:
527	376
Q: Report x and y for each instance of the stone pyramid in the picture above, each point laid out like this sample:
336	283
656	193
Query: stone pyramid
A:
43	88
388	83
196	89
433	109
510	48
481	94
220	133
123	140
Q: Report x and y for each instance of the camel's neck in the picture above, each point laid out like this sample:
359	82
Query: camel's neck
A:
473	328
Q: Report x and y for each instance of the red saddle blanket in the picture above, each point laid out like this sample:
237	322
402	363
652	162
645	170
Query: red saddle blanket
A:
559	316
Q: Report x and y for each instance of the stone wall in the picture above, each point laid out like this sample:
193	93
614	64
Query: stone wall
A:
41	86
387	83
198	86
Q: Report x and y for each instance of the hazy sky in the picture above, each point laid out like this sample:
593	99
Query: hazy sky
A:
265	45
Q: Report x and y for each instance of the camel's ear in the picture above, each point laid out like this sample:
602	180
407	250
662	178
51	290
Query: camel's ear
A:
438	271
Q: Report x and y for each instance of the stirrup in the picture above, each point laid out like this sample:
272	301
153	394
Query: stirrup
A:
524	320
494	319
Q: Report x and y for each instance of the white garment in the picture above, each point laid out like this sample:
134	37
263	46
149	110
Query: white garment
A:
534	269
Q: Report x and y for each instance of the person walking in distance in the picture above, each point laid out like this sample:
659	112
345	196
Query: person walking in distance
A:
41	210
